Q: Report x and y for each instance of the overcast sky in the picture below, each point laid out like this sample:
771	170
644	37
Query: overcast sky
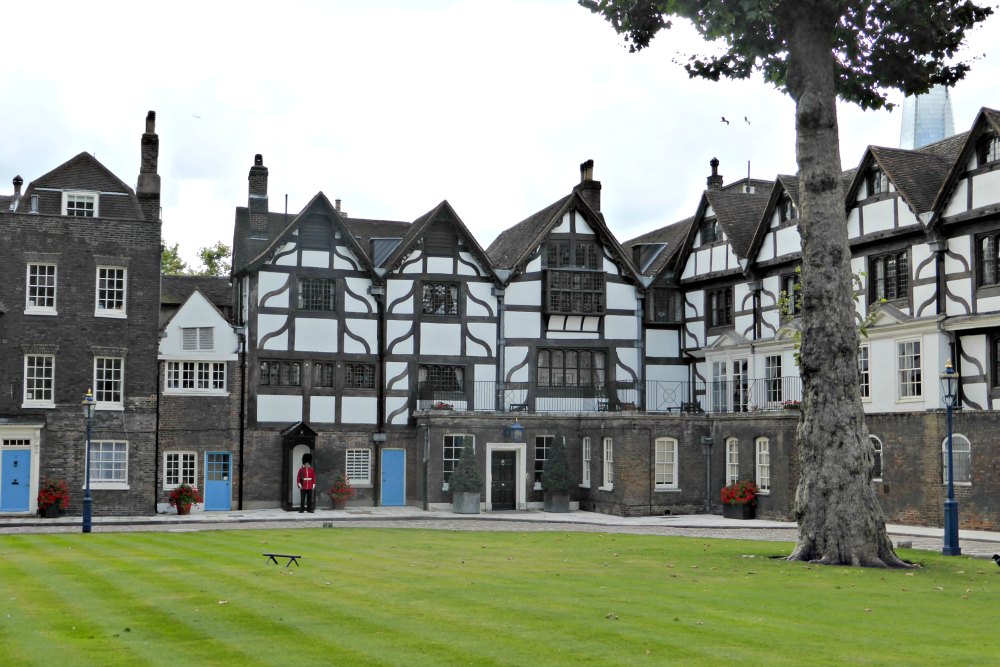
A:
394	105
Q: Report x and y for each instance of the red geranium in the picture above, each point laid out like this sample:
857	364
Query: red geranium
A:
740	493
53	492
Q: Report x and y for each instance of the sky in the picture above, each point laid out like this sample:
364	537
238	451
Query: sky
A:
395	105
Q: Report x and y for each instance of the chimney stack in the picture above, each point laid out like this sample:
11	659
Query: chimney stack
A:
588	188
148	188
257	201
18	181
714	181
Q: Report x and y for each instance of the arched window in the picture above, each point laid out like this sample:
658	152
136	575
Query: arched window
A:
732	460
764	464
961	450
877	454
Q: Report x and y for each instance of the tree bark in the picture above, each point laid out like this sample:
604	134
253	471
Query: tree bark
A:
840	520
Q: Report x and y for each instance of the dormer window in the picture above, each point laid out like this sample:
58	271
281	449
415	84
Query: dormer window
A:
877	182
80	204
709	232
787	210
988	150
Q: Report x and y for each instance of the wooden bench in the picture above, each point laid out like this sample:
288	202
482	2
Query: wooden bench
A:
517	407
291	558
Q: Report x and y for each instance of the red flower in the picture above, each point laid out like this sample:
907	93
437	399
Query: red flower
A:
185	494
53	492
740	493
341	489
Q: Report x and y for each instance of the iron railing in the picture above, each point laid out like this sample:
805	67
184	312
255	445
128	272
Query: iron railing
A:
654	396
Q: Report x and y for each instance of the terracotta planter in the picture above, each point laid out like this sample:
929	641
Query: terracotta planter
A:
339	503
739	511
183	510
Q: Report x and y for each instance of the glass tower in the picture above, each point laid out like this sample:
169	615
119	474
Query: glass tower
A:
926	118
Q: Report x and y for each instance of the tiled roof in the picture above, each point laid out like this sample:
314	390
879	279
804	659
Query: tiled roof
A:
513	243
366	230
672	235
946	148
245	248
791	186
916	175
738	214
174	290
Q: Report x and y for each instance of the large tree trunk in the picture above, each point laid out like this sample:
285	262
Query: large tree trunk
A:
840	521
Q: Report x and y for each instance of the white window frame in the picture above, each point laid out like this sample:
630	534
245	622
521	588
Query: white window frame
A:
608	465
864	372
544	444
732	460
960	446
101	393
358	459
774	386
198	339
32	378
909	371
109	464
49	291
450	444
82	195
179	468
585	457
877	450
196	377
665	472
100	304
762	464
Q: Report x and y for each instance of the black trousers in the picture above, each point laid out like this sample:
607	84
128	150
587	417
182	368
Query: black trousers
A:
307	500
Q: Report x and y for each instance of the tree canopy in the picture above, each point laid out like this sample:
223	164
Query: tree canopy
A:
215	261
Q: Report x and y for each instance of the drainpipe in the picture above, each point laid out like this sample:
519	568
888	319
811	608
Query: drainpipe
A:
379	438
156	441
426	462
243	407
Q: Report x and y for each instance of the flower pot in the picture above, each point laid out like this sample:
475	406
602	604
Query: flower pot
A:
339	503
557	501
51	512
746	511
465	502
184	509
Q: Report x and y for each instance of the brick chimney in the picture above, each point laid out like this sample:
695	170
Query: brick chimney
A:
588	188
18	182
148	188
714	181
257	202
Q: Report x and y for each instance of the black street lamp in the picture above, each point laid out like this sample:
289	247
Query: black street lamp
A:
514	432
88	502
949	390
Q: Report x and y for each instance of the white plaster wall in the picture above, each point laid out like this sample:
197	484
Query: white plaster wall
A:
742	324
720	256
198	312
989	304
581	225
962	246
924	294
621	295
522	325
394	403
573	323
316	258
273	408
694	330
485	332
906	217
269	282
397	289
315	335
693	303
788	240
986	189
395	329
770	323
323	409
485	373
413	266
516	356
662	343
345	259
535	264
690	265
571	335
440	338
665	373
483	292
563	227
628	357
359	409
609	267
919	254
527	293
879	216
853	223
440	265
291	259
360	301
364	329
267	324
766	248
619	327
958	289
959	199
396	369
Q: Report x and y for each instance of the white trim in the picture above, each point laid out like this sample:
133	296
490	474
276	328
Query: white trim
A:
118	313
764	490
83	194
919	396
607	464
586	452
520	471
180	453
35	403
41	310
359	482
671	448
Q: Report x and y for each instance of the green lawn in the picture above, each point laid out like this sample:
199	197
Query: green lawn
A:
415	597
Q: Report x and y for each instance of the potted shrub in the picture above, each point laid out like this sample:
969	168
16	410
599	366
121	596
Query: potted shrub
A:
739	500
53	498
183	496
466	484
341	491
557	481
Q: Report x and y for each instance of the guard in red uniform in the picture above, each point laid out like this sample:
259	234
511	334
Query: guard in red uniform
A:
307	484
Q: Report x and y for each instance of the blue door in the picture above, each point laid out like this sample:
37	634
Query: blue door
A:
393	477
15	480
218	488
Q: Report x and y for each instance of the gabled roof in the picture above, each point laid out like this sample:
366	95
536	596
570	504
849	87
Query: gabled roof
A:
175	290
738	214
517	244
445	213
987	119
191	295
672	236
916	175
83	172
783	184
320	205
365	230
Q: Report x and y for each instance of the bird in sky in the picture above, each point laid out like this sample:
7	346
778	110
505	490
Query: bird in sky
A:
725	121
746	119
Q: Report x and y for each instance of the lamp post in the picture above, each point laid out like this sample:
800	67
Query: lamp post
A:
88	502
949	389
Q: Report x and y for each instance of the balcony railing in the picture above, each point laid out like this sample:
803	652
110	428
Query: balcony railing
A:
767	394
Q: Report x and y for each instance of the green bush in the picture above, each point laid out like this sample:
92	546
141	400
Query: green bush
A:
466	476
556	477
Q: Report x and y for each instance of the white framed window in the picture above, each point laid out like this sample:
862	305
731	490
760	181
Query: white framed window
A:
39	380
358	467
109	381
81	204
585	456
452	452
961	454
732	460
908	372
195	377
111	287
179	468
199	339
40	292
763	447
864	373
109	464
773	393
666	464
542	445
877	455
608	482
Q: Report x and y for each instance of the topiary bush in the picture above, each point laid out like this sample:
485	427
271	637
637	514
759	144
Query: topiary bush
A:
466	475
556	477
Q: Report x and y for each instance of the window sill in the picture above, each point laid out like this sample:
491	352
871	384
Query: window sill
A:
910	399
194	392
585	486
107	486
34	405
110	407
40	311
610	487
764	492
957	483
667	489
113	314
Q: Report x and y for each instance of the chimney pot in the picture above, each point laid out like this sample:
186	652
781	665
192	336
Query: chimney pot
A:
336	205
18	181
258	160
587	171
150	122
714	181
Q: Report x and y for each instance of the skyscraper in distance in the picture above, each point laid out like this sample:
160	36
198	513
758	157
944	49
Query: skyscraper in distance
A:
926	118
